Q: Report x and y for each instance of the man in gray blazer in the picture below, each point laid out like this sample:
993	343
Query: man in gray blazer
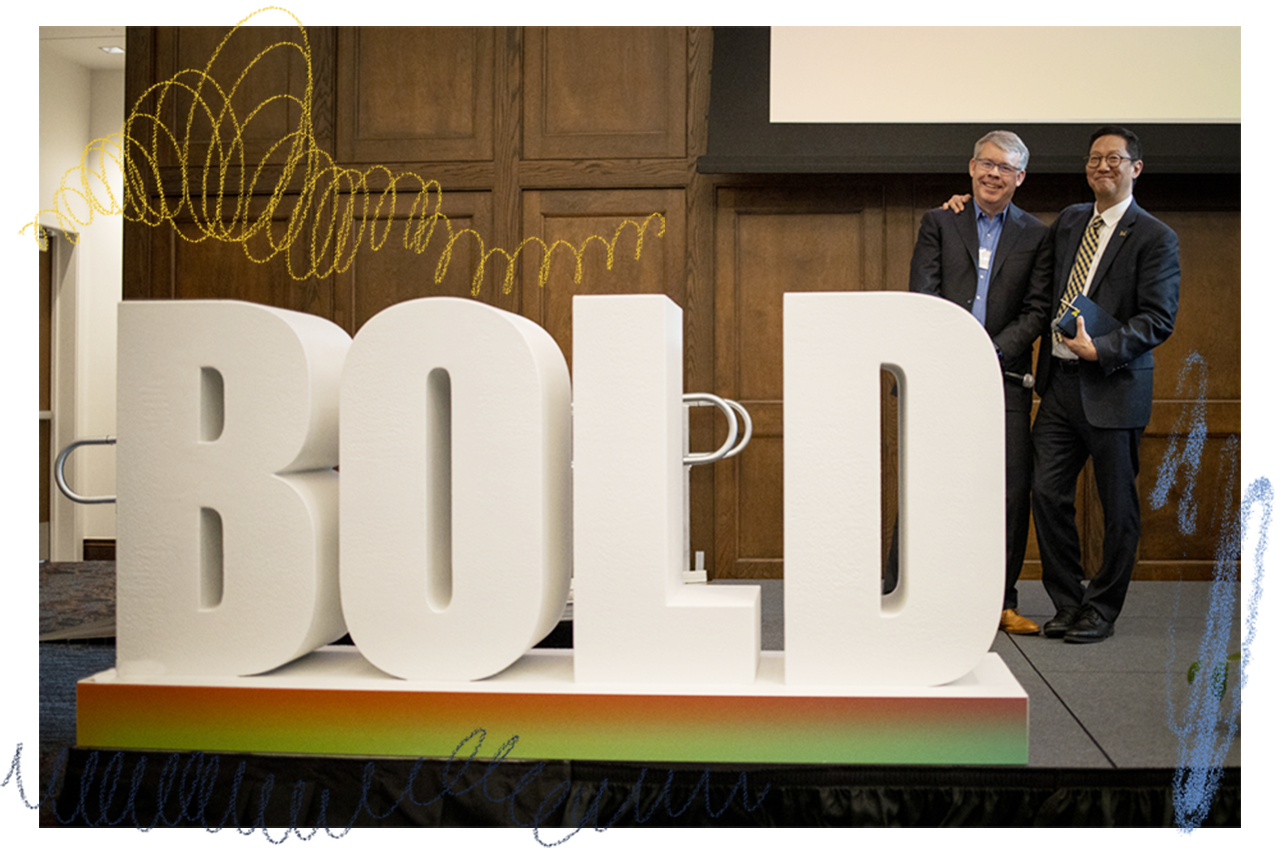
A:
1095	393
994	261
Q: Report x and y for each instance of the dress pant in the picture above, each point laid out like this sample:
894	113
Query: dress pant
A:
1017	498
1063	439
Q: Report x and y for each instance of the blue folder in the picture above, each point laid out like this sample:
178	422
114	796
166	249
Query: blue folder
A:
1096	320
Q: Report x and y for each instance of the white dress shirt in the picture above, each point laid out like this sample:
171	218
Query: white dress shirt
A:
1110	217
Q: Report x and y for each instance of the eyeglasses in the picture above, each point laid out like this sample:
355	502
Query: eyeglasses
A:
1093	161
992	166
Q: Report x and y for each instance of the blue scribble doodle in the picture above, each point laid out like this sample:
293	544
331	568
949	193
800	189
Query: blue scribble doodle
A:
1189	460
1201	749
184	793
592	813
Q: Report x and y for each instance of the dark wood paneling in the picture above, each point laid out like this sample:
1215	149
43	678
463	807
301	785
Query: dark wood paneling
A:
226	106
568	223
410	265
99	549
189	263
434	102
1208	305
771	240
706	430
605	92
507	208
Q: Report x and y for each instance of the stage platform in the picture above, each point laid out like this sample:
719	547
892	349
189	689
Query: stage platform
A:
1104	746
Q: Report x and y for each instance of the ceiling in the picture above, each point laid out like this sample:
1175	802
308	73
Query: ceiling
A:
81	45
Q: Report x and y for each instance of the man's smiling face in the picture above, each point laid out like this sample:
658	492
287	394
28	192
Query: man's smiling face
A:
1111	183
996	174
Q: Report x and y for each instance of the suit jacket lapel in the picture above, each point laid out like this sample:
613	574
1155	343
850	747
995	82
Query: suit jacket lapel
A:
1077	234
967	223
1010	234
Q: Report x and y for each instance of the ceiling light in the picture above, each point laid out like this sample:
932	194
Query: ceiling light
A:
111	49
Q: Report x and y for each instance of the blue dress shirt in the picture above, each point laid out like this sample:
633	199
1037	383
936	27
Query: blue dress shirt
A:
989	229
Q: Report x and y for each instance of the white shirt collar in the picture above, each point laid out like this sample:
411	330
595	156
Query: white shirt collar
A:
1112	214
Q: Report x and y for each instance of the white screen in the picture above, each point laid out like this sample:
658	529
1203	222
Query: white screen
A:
1039	74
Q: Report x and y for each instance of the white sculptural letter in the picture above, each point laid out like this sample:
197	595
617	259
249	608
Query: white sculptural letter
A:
633	619
940	621
227	498
456	493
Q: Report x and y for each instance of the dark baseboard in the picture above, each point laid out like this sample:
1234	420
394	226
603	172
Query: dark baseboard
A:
99	549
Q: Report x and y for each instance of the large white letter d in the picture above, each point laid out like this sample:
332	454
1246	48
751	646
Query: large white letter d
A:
940	621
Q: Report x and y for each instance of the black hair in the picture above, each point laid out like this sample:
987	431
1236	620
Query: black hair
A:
1130	139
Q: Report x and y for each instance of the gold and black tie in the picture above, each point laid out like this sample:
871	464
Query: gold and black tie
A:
1079	272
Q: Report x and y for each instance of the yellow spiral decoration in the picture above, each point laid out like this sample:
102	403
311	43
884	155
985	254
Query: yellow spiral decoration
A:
331	213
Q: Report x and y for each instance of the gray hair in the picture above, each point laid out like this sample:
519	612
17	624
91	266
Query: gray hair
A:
1007	141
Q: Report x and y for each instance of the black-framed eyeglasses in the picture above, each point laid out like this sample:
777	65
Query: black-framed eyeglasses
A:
1093	161
992	166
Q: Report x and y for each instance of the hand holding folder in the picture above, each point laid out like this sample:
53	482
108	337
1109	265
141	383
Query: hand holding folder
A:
1096	320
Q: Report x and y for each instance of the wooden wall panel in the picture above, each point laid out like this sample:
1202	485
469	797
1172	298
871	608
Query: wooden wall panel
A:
188	264
1213	494
564	220
394	273
1208	304
770	241
238	105
434	102
605	92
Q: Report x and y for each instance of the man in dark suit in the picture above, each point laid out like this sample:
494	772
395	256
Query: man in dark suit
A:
994	261
1096	392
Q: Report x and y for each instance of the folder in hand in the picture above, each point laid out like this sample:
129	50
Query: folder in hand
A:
1096	320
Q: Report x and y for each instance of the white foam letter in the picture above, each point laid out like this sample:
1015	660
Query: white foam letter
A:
227	498
634	621
942	618
456	496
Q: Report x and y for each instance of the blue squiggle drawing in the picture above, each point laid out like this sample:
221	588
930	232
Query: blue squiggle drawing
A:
1189	459
185	790
1200	748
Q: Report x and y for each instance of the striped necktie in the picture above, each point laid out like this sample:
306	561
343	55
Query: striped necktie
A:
1079	272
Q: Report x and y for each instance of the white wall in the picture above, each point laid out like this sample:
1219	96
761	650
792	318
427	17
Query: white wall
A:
77	106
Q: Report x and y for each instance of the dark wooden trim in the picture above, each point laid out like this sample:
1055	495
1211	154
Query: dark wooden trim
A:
99	549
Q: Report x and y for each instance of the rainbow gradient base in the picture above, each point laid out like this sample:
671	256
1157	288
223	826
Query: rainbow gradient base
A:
334	703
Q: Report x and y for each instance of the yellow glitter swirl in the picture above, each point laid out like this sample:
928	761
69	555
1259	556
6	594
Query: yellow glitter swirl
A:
335	199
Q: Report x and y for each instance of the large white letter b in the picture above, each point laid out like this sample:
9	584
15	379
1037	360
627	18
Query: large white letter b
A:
227	515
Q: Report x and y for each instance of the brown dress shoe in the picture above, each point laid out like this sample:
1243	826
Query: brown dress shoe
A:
1016	624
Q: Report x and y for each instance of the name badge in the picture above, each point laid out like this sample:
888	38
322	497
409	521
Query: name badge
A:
984	259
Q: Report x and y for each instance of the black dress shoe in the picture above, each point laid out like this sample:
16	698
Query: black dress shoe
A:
1090	628
1063	620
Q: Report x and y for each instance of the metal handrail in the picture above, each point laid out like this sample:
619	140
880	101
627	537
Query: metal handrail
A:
700	459
746	429
60	476
732	445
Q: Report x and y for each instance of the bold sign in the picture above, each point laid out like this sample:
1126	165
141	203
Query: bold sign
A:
470	488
